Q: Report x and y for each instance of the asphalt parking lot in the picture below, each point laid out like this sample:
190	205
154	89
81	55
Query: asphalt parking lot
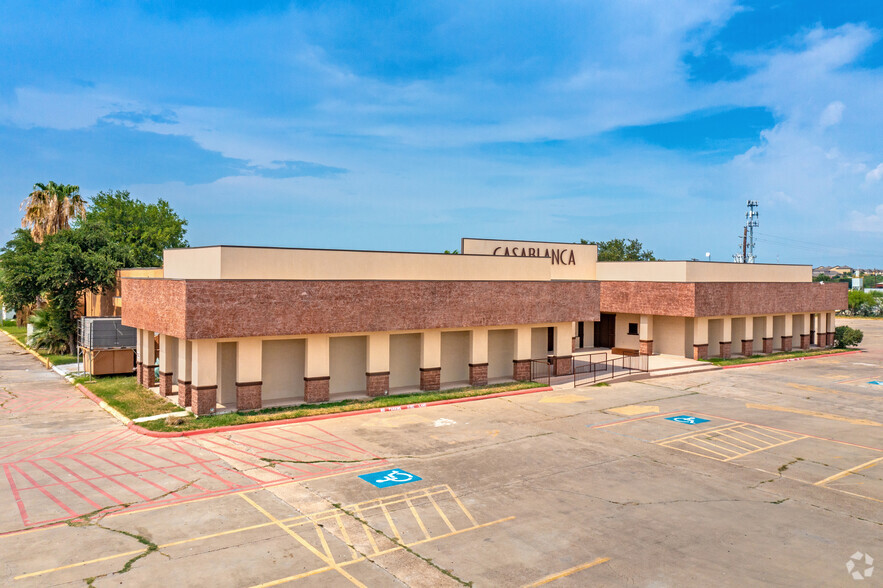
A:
756	475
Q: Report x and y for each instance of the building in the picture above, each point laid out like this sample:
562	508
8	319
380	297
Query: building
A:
251	327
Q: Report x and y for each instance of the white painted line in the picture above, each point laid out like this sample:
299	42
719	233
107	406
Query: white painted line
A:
156	417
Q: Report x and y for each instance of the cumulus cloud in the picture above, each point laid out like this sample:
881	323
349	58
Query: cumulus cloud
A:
872	223
832	114
875	174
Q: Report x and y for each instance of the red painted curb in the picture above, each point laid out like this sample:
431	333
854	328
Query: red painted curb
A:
741	365
321	417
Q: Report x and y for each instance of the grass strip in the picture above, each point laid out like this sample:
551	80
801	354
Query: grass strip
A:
125	395
280	413
771	357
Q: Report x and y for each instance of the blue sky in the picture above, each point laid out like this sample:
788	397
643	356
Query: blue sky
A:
404	126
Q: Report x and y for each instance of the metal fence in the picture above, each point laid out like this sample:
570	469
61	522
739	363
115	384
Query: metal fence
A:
590	368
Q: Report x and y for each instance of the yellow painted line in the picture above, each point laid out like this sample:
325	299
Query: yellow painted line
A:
368	532
419	520
700	447
850	471
568	572
82	563
765	448
293	578
739	439
346	536
634	410
440	512
328	560
463	508
691	433
564	399
392	525
821	415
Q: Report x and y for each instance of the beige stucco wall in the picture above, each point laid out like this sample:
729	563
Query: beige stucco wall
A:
539	342
282	371
226	373
254	263
567	261
700	271
501	352
348	364
623	339
404	360
669	335
715	335
454	356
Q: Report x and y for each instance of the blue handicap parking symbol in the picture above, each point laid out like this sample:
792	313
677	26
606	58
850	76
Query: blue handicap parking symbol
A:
390	478
876	383
687	419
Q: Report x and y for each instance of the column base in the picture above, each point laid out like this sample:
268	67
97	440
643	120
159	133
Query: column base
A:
377	383
185	392
726	349
165	384
787	343
700	351
204	400
821	339
767	344
478	374
747	347
430	378
248	396
563	365
646	347
521	370
149	376
804	341
830	339
317	389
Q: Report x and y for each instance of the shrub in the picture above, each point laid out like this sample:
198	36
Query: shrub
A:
48	335
847	336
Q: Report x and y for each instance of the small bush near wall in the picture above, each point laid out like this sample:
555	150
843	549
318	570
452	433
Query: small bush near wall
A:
847	336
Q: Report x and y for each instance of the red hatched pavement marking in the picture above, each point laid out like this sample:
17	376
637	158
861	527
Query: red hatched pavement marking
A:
57	478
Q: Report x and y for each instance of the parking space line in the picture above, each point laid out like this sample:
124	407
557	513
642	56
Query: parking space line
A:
568	572
850	471
726	443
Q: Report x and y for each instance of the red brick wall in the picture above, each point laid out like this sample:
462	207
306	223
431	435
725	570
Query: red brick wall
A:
198	309
720	298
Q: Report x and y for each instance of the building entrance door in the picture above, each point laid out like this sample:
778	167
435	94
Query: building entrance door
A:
605	331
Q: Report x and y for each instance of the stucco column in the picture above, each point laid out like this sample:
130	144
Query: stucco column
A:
377	376
831	329
185	377
139	360
478	342
787	335
166	361
563	354
822	330
768	334
317	369
204	368
645	334
430	360
726	349
700	338
521	363
148	357
249	366
748	341
804	331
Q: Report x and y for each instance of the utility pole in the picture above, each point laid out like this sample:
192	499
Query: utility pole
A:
747	254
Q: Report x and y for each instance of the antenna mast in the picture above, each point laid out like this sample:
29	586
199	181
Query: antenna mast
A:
747	253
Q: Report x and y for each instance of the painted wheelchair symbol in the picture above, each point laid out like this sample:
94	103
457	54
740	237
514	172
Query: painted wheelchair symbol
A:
686	419
390	478
396	477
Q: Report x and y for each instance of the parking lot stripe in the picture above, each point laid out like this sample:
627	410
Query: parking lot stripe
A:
568	572
813	413
850	471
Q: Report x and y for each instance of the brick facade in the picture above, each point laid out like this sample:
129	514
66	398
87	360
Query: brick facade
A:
521	370
726	349
204	399
317	389
700	351
377	384
248	395
787	342
477	374
767	344
804	341
165	384
185	393
831	338
430	378
563	365
821	339
747	347
211	309
646	347
149	376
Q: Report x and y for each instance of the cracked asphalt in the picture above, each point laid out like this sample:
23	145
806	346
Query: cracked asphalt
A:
757	475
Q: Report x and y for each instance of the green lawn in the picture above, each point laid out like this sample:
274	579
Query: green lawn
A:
772	357
273	414
20	333
124	394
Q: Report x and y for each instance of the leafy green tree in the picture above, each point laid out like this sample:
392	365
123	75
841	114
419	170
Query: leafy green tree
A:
45	335
19	270
859	297
143	229
847	336
621	250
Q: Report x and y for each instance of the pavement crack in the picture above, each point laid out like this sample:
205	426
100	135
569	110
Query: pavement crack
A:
11	396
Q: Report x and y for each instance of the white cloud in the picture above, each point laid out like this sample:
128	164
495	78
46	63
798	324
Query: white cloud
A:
872	223
832	114
875	174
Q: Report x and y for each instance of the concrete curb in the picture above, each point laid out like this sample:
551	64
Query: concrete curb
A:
822	356
42	359
321	417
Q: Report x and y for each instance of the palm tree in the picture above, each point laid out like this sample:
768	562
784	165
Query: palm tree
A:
51	208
